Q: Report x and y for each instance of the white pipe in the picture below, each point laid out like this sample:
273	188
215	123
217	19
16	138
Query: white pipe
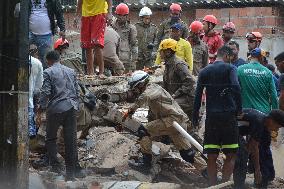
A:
188	137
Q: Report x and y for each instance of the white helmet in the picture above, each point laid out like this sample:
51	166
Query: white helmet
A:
145	11
137	77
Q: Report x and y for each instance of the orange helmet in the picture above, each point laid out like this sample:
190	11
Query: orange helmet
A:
175	8
229	26
196	27
211	18
122	9
255	36
59	43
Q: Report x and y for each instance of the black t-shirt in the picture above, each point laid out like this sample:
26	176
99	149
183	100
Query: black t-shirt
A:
256	128
281	82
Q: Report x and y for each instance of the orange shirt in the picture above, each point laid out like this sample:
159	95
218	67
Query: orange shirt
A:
94	7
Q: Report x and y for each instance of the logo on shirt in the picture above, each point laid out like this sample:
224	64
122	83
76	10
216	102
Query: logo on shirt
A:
254	71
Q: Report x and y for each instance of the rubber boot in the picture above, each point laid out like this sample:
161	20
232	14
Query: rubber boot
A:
188	155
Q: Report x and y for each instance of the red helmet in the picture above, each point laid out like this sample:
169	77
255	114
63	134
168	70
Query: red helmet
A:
122	9
59	43
210	18
229	26
175	8
196	27
256	36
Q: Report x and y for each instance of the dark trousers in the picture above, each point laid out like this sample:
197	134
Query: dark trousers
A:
68	121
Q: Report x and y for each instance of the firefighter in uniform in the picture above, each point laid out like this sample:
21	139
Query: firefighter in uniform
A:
146	35
199	48
229	30
212	38
128	53
254	40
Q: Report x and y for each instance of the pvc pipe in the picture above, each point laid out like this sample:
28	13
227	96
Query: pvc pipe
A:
188	137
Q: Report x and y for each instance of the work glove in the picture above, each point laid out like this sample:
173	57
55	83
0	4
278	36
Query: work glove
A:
150	46
195	119
127	114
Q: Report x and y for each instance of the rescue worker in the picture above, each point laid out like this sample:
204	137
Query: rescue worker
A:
199	48
111	50
183	49
223	103
257	139
164	109
177	79
236	61
229	30
146	35
254	40
279	61
69	59
212	38
164	30
128	53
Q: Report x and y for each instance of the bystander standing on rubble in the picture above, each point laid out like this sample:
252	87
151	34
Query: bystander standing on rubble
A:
111	49
199	48
94	14
35	83
259	92
177	79
212	38
279	61
68	59
229	30
254	40
146	35
128	53
59	97
236	61
42	25
164	29
223	104
183	48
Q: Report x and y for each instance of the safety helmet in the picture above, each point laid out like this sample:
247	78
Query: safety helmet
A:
168	44
259	52
255	36
138	77
210	18
229	26
59	43
175	8
145	11
122	9
196	27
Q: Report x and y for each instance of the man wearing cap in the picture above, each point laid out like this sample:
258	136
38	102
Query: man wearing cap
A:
228	32
279	61
183	50
199	48
254	138
164	30
259	93
212	38
128	51
146	35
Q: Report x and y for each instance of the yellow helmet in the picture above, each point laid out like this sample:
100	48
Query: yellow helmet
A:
168	44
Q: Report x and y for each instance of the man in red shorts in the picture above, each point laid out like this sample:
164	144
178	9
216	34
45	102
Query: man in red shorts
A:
93	23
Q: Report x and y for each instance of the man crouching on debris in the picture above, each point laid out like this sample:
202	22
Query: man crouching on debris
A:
223	103
59	97
255	140
165	111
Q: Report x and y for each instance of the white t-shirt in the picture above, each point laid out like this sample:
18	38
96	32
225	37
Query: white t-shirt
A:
35	79
39	20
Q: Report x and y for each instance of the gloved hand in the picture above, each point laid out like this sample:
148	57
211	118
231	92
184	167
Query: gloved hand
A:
150	46
195	119
127	114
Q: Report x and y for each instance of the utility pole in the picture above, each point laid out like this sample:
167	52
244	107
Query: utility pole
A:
14	66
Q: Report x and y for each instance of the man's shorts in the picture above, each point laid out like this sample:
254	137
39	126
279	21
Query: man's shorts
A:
93	31
221	133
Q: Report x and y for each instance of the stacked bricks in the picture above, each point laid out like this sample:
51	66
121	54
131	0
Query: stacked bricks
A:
267	20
